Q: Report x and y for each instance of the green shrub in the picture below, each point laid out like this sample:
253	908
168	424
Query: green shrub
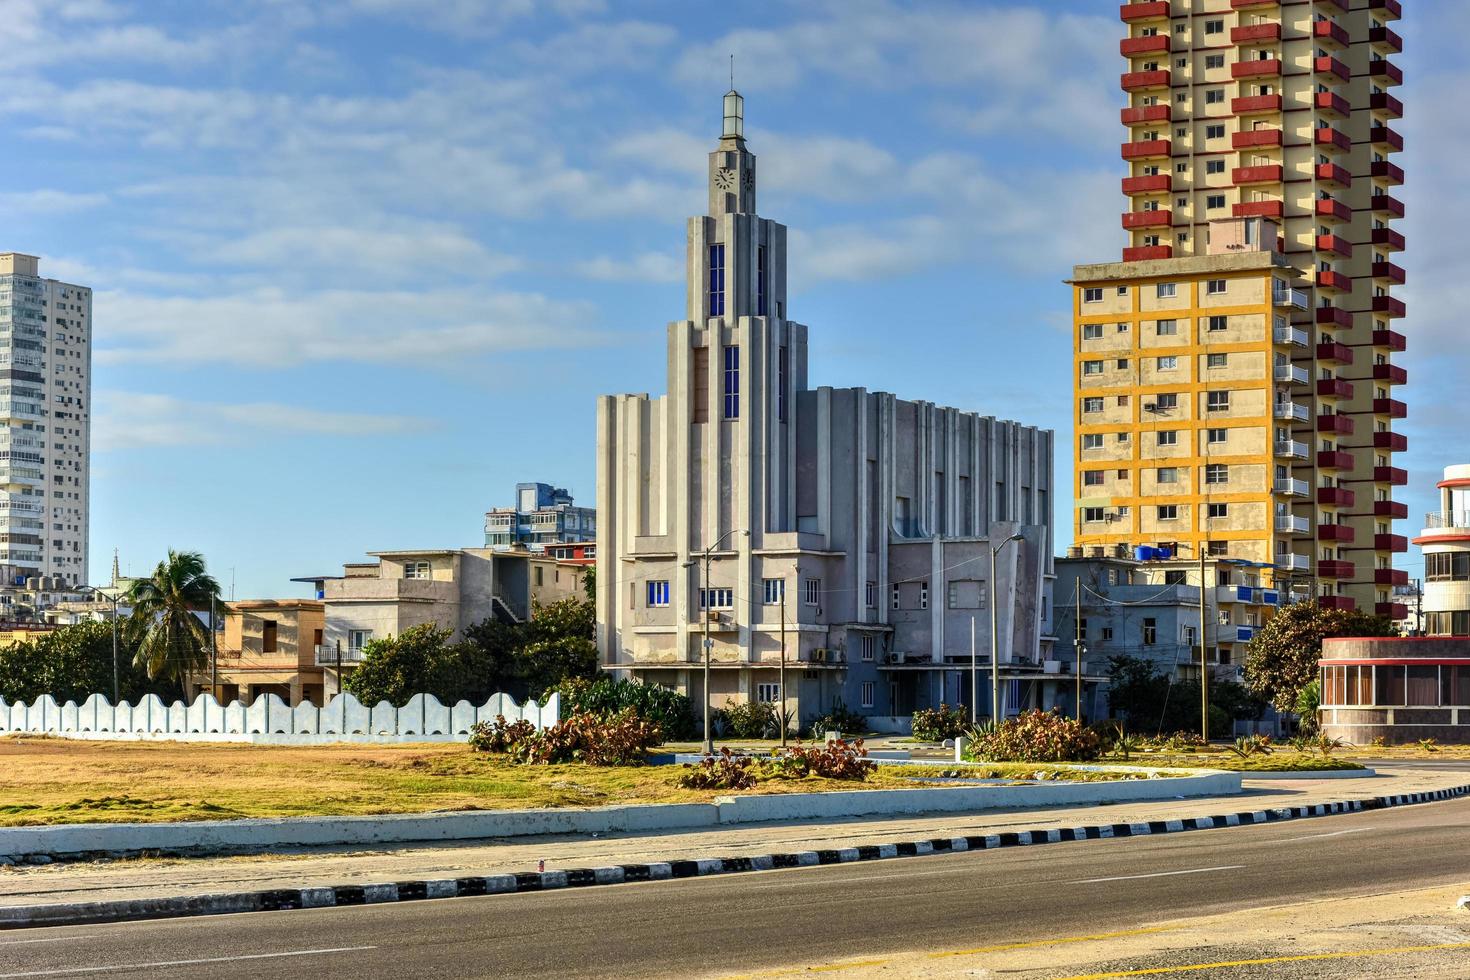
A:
832	760
722	771
752	719
938	724
1249	745
499	735
605	697
1038	736
839	719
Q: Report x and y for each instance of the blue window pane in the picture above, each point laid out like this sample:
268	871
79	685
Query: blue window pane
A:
732	382
760	281
716	280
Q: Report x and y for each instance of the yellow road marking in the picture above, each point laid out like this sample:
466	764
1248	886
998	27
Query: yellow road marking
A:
1002	947
1301	958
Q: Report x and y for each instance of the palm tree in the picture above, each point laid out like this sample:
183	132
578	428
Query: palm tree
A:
172	641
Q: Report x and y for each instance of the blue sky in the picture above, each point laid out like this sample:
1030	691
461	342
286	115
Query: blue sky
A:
361	266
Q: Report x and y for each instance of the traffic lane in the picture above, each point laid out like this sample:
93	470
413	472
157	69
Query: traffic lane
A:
758	921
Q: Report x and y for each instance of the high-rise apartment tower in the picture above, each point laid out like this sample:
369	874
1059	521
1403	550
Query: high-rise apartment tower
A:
45	408
1234	375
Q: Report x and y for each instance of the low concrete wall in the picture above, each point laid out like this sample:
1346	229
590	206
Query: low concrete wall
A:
208	836
1311	774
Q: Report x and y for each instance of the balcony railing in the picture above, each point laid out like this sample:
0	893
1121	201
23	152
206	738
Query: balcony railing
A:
1292	488
1454	518
326	655
1291	524
1294	298
1290	335
1292	562
1291	374
1290	411
1291	449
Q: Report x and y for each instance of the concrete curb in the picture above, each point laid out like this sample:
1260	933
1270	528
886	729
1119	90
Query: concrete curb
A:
31	916
1363	773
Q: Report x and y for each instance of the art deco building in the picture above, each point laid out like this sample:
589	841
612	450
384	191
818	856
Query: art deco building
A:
862	522
1235	384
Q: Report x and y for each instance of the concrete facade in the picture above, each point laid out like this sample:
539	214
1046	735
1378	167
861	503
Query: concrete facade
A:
543	515
1399	689
862	521
46	442
1445	542
267	646
1269	128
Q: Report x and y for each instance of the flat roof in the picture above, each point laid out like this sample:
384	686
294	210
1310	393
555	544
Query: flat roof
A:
1183	266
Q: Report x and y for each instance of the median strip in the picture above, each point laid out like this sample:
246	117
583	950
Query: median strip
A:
25	916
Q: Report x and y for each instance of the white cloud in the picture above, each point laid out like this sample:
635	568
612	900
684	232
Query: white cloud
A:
135	420
429	252
275	328
49	201
645	267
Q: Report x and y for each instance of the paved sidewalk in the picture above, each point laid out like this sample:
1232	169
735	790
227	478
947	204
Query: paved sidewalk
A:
157	878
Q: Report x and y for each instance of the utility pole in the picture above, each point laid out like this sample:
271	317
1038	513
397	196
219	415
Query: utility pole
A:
1418	607
781	716
705	604
1078	645
1204	667
974	678
213	653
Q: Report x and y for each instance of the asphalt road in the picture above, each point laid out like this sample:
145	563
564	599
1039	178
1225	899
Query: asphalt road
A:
743	923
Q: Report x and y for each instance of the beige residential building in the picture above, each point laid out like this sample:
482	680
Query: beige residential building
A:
1259	160
266	646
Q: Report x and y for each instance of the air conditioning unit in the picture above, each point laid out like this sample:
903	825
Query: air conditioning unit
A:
1109	517
898	656
1096	551
1051	667
819	656
1150	406
1075	551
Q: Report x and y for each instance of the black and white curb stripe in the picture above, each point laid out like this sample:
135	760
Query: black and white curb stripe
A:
536	881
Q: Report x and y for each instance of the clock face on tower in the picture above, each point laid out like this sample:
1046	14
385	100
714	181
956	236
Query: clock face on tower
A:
748	179
725	179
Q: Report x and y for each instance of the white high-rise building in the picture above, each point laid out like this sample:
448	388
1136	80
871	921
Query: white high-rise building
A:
45	408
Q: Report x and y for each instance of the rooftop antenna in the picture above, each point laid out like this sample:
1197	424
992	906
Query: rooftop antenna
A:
732	71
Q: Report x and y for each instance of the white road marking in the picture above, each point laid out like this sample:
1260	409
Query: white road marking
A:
53	939
1158	874
213	959
1337	833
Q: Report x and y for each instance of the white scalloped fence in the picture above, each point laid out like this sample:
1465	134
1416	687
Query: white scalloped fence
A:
269	719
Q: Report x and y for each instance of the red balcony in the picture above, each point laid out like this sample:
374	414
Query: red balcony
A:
1269	173
1331	173
1327	568
1147	253
1391	407
1386	171
1385	41
1255	137
1257	209
1385	103
1385	72
1391	339
1386	139
1392	475
1335	243
1142	81
1136	115
1391	373
1333	387
1392	441
1342	602
1385	205
1396	543
1333	281
1335	352
1336	496
1391	9
1340	424
1148	184
1389	271
1251	105
1388	306
1259	68
1330	139
1131	47
1328	33
1391	610
1334	316
1334	460
1331	66
1390	508
1333	210
1392	240
1331	104
1147	149
1134	220
1133	13
1390	576
1251	33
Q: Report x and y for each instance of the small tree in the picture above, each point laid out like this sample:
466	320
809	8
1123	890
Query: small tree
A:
171	639
557	646
1281	659
420	660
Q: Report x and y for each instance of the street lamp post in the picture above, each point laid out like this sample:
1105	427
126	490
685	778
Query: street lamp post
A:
709	743
995	631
